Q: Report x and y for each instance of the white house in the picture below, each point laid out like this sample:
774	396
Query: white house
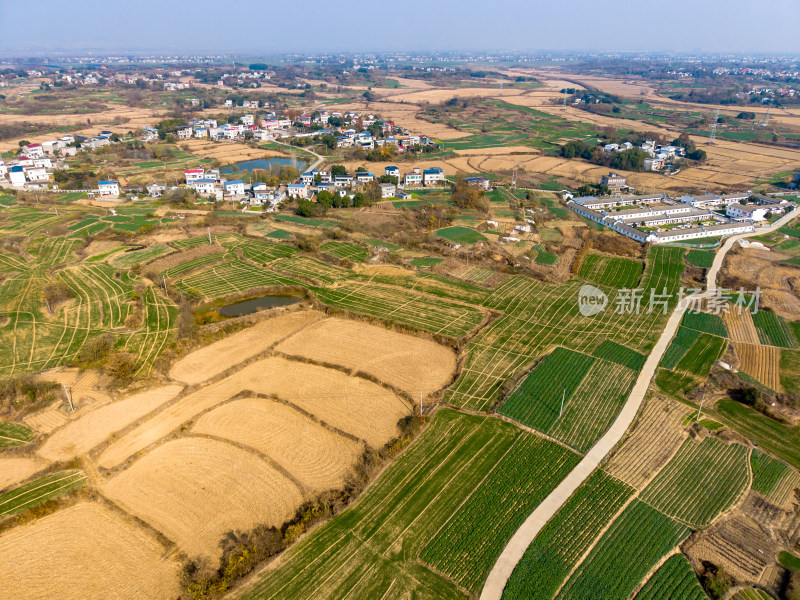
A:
297	190
234	187
393	171
32	150
388	190
204	186
481	183
193	175
184	133
108	188
432	175
247	120
746	211
413	178
17	176
364	177
37	174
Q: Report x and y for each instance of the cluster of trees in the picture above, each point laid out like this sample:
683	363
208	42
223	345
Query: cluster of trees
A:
627	160
466	196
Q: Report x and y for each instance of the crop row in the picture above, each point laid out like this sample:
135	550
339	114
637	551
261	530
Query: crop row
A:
538	399
230	278
401	306
768	474
14	434
633	545
192	264
315	270
700	258
701	481
705	322
683	340
564	539
702	355
595	404
674	579
347	250
773	330
612	271
39	490
622	355
468	545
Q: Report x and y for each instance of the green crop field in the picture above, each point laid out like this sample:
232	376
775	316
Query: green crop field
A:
776	438
306	221
537	316
751	594
316	271
347	250
675	579
790	371
40	490
158	327
701	481
426	261
260	251
402	306
622	355
14	434
612	271
773	330
477	274
684	339
468	545
543	257
126	260
562	541
705	322
594	405
193	264
702	355
460	235
772	478
700	258
371	549
230	278
633	545
790	561
536	402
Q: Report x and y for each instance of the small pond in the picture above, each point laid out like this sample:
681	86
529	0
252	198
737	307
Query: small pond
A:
247	307
263	163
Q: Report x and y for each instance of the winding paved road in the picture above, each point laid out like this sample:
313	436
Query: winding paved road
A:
498	577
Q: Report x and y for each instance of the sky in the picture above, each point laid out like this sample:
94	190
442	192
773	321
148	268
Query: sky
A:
267	27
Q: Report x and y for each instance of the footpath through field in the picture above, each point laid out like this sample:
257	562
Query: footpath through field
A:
516	547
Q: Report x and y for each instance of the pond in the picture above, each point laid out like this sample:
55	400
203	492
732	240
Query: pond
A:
247	307
264	163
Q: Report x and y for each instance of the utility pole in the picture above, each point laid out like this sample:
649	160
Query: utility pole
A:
209	235
69	398
164	281
565	100
420	404
703	399
563	397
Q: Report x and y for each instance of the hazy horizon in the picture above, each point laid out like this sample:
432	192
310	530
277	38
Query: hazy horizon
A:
236	27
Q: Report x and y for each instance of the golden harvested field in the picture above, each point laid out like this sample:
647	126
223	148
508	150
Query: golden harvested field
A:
740	326
46	420
761	362
216	358
13	470
656	436
193	490
87	431
354	405
81	553
405	115
318	458
407	362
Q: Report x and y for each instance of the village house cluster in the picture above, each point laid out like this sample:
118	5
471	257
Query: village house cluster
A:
209	183
659	219
659	156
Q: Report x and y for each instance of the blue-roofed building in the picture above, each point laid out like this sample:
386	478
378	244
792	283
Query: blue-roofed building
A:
234	187
108	188
16	175
393	171
432	175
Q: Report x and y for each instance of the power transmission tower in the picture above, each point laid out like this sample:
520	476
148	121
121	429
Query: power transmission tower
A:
514	179
714	128
564	107
766	117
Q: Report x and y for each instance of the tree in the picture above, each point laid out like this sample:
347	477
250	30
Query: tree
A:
325	199
23	143
389	179
121	365
338	171
305	208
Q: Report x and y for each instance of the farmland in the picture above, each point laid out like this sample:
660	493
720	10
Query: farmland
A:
611	271
561	543
700	258
346	250
706	322
230	277
14	434
773	330
465	552
40	490
634	543
674	579
700	482
772	478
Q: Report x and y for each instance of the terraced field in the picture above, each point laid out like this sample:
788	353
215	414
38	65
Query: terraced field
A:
611	271
634	543
700	482
230	278
562	542
346	250
675	579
